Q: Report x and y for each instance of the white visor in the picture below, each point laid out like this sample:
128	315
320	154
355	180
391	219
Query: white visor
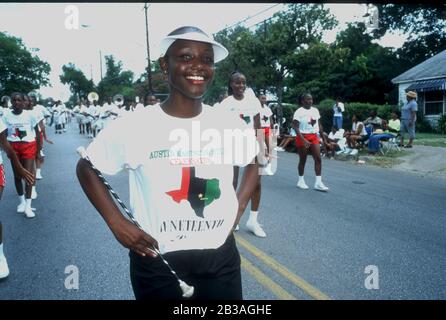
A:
194	34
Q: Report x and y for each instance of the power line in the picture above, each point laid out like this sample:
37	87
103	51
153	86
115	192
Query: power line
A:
248	18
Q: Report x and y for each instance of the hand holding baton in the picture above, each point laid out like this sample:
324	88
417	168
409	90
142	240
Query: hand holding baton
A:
187	290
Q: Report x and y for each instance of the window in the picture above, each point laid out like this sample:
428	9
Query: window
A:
433	102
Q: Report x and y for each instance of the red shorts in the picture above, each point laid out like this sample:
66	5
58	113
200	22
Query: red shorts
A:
312	138
267	131
2	176
25	150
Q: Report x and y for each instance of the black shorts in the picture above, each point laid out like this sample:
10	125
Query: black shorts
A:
214	273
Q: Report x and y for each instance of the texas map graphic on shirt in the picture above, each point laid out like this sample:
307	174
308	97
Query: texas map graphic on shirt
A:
265	118
199	192
312	122
19	133
246	118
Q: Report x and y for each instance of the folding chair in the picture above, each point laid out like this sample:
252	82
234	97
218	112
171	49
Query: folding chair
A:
387	145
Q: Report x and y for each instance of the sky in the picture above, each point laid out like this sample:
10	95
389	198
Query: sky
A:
118	29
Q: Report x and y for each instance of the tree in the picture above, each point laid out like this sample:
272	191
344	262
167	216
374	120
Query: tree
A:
19	69
116	81
79	85
267	55
425	25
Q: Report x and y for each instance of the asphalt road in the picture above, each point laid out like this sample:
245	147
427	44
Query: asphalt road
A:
318	246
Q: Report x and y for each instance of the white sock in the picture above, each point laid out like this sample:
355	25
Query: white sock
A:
28	203
1	250
301	179
33	189
253	216
318	179
37	171
22	199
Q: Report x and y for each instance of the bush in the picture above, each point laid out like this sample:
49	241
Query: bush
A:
362	110
441	124
422	125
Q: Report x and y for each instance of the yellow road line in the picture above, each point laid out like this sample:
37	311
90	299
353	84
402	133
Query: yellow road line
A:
298	281
266	281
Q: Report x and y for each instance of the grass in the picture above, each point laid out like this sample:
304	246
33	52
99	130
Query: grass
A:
429	139
387	161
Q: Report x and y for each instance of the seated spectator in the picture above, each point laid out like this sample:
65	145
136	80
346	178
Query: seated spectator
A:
286	140
394	123
357	134
373	121
380	134
335	142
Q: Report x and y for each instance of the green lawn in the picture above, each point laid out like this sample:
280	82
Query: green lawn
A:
429	139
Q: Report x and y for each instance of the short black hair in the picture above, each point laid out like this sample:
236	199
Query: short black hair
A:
230	79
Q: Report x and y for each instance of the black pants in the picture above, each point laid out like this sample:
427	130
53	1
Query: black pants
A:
214	274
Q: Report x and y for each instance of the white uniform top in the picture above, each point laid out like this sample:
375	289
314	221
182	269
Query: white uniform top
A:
265	114
308	119
43	111
181	191
20	126
247	108
3	127
355	125
336	112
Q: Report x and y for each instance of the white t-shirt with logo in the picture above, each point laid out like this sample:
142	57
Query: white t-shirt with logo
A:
265	114
308	119
246	109
180	191
20	126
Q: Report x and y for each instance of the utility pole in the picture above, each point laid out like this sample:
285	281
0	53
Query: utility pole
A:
100	61
149	67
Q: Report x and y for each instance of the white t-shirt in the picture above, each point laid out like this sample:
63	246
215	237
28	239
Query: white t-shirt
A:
139	107
247	108
308	119
20	126
39	115
3	127
43	111
265	114
336	112
355	125
178	194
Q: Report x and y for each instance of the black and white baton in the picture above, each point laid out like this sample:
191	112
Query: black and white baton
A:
187	290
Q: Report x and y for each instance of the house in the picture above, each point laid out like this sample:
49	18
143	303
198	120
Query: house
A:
428	80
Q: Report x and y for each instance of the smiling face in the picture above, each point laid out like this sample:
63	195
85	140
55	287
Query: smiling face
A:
190	68
238	85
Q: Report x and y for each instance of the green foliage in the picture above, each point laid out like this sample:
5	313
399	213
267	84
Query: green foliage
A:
79	85
19	69
441	124
422	125
116	80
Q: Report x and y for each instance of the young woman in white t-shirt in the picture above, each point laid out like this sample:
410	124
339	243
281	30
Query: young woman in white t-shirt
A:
23	135
163	184
243	103
22	172
307	124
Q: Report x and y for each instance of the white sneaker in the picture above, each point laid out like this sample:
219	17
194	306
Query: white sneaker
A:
33	193
255	228
39	176
236	228
354	152
29	213
302	185
268	170
4	270
321	187
21	207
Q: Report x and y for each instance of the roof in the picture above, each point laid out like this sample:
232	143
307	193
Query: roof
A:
428	85
434	67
